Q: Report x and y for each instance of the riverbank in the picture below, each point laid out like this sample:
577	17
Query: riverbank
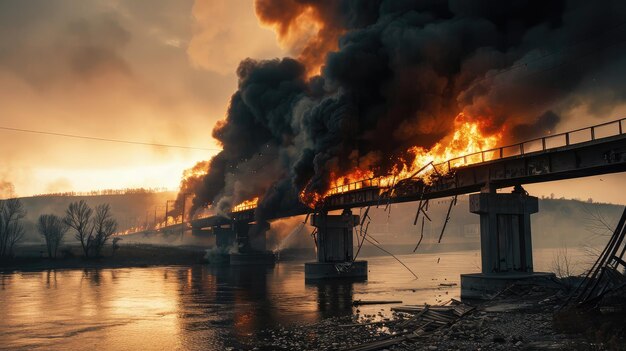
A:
33	257
521	318
220	307
128	255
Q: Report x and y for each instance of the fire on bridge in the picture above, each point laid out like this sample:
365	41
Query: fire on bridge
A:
505	218
595	150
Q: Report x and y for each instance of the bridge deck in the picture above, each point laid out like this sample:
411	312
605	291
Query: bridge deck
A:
551	158
581	160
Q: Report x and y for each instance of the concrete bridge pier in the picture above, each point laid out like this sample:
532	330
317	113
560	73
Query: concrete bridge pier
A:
505	242
251	244
224	240
335	248
224	237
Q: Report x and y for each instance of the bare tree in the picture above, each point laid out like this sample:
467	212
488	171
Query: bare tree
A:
78	217
92	230
11	230
562	263
104	227
600	226
597	222
52	228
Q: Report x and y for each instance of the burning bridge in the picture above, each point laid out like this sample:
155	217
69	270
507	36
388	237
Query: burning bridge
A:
595	150
505	218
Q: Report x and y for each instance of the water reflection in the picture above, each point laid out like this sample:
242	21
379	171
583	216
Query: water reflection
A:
199	307
51	279
188	308
242	301
93	275
334	298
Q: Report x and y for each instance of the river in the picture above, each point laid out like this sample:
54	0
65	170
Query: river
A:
203	307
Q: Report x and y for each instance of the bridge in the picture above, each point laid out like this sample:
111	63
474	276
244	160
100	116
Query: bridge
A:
506	245
595	150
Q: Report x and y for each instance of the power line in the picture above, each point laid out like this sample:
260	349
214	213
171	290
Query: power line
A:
133	142
475	82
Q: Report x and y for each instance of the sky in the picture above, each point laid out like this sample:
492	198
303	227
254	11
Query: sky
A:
153	71
150	71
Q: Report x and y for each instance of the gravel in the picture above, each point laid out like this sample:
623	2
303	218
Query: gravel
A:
508	323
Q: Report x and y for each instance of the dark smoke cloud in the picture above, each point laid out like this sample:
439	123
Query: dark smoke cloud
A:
543	125
332	19
400	74
256	134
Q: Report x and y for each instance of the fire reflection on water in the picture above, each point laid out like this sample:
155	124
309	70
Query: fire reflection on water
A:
202	307
188	308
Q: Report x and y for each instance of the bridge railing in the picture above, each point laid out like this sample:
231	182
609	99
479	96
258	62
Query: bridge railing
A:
599	131
377	182
241	208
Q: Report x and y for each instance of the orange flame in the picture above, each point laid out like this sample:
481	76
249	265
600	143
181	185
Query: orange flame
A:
248	204
468	138
461	148
198	170
302	29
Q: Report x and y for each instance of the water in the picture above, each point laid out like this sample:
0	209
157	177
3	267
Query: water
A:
203	307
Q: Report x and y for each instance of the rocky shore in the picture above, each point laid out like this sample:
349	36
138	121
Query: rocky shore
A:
521	319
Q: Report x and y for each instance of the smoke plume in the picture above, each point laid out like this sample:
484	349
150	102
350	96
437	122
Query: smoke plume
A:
7	190
396	74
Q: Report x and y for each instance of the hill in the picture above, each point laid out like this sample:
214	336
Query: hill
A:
129	209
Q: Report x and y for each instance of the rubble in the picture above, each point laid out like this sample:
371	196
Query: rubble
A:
597	307
519	318
607	274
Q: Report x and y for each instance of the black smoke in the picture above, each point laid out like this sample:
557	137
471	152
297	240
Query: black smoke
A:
401	73
256	133
542	126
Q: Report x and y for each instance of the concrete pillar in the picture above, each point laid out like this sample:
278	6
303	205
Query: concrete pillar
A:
224	236
242	230
505	235
251	237
505	243
251	244
334	236
335	248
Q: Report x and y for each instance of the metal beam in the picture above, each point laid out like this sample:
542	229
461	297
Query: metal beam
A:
595	157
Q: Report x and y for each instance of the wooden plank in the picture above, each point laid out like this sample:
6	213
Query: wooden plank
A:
374	302
414	318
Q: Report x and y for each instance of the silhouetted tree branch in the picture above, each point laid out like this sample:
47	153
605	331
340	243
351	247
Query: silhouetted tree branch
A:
11	230
104	227
78	217
92	230
52	228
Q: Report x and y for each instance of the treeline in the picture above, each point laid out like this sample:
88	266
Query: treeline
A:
91	227
127	191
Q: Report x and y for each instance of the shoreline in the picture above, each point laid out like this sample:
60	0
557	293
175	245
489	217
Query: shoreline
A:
523	318
127	256
30	258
